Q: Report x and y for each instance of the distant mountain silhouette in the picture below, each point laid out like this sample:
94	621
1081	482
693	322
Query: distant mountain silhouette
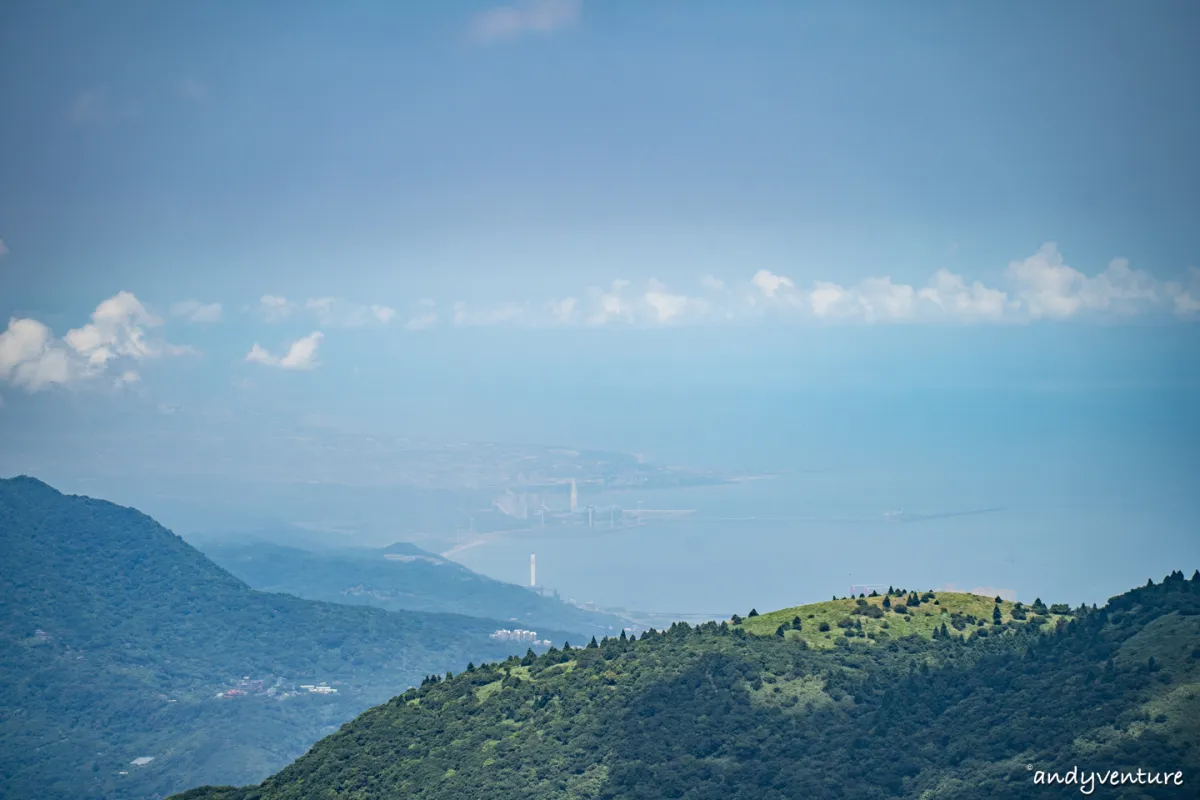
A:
116	636
401	576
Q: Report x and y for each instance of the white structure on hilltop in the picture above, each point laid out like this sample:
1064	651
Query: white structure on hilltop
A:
574	496
532	570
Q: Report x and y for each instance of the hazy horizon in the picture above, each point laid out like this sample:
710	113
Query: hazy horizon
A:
941	260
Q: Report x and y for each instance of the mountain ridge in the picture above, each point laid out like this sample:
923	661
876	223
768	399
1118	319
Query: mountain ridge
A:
401	576
119	640
720	711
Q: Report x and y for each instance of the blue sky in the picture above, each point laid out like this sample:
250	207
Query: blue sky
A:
623	223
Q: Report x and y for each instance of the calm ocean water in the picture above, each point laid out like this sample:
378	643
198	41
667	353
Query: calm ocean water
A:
817	533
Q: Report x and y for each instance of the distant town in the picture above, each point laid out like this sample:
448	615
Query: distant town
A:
278	689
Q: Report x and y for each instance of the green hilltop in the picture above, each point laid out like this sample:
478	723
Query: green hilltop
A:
725	710
898	613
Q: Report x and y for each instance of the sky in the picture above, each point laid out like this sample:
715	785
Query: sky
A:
733	234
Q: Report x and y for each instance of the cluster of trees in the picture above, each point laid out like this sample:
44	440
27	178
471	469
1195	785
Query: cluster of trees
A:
711	711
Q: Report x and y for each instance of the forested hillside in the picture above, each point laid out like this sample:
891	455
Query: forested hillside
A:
754	711
116	638
400	577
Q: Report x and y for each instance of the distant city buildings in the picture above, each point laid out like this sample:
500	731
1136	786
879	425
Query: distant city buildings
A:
319	688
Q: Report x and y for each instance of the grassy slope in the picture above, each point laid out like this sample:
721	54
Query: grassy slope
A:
715	713
921	620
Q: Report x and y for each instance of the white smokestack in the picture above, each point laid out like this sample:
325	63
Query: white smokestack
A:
532	570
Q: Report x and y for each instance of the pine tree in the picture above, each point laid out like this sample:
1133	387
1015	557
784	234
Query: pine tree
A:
887	602
753	613
996	618
622	634
796	623
998	601
735	619
592	643
780	632
470	666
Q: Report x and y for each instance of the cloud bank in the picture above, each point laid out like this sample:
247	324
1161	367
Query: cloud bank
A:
118	336
1040	287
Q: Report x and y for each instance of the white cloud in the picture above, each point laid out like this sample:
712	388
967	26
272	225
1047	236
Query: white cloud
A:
769	283
384	314
425	317
195	311
258	355
1039	287
872	300
32	358
668	307
1185	296
951	295
829	300
524	17
117	329
610	306
1048	287
126	378
29	356
301	354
